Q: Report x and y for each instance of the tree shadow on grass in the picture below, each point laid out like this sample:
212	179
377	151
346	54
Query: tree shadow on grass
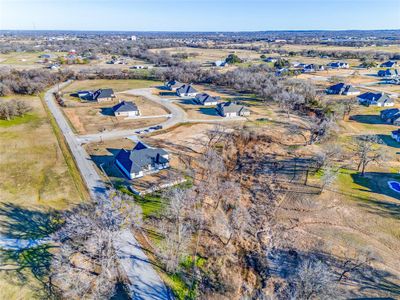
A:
209	111
21	223
363	279
368	119
107	111
388	140
378	184
20	261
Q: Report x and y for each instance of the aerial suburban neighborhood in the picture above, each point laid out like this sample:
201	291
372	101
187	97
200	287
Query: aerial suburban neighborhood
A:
151	150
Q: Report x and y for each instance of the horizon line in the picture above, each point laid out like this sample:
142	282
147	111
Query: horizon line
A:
203	31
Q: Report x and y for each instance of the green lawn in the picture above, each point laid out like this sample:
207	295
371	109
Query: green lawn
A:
28	118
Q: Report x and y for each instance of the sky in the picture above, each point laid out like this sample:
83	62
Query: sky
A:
199	15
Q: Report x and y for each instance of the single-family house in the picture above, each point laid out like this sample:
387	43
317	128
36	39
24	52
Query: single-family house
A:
281	71
141	160
172	85
342	89
100	95
375	99
53	66
271	59
231	109
391	116
396	135
221	63
103	95
389	73
338	65
310	68
206	99
388	114
389	64
126	109
186	90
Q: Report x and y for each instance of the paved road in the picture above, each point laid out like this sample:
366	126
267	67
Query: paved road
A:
177	115
145	282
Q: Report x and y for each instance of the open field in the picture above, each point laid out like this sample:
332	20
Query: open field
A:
211	55
34	171
116	85
392	48
25	58
34	178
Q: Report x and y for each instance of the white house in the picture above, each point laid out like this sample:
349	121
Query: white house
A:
141	160
230	109
126	109
186	90
375	99
206	99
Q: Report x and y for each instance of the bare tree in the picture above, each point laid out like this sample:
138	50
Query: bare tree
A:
313	280
86	265
367	150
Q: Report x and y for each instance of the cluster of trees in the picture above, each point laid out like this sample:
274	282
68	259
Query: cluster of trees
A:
13	108
86	264
233	59
29	82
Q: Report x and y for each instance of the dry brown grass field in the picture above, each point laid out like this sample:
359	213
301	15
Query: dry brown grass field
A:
34	177
211	55
116	85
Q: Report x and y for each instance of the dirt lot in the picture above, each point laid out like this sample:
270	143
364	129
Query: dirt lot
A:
89	118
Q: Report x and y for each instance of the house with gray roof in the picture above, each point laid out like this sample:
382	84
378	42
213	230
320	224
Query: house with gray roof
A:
231	109
206	99
342	89
338	65
375	99
172	85
221	63
100	95
396	135
126	109
103	95
141	160
388	73
391	116
186	90
389	64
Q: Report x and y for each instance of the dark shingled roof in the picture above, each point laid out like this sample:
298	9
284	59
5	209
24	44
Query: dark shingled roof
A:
204	98
342	88
140	157
229	107
186	89
378	97
174	84
125	106
103	93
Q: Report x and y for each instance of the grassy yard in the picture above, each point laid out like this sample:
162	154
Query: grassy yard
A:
34	180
